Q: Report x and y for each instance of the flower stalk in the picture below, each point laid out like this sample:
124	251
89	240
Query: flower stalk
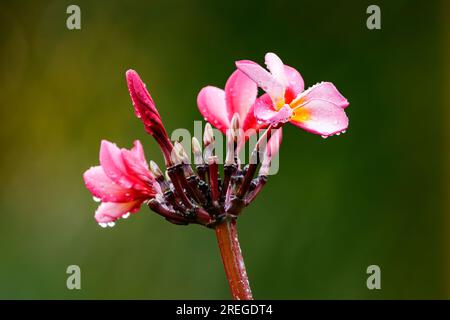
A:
233	261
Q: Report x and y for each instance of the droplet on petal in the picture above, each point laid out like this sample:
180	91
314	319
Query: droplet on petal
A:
103	224
96	199
126	215
111	224
324	137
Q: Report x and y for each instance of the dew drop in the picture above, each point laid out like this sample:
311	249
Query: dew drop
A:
111	224
96	199
126	215
324	137
103	225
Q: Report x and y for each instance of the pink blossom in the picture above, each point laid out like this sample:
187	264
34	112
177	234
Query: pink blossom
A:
219	106
319	109
122	182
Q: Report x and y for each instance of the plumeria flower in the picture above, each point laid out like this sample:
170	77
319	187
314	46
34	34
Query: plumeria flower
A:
122	182
319	109
200	195
219	106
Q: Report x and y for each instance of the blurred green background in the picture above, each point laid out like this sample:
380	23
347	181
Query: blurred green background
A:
376	195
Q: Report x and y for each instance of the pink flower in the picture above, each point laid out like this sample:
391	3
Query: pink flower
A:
122	182
319	109
219	106
145	109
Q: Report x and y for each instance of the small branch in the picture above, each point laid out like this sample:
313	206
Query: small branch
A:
259	184
214	179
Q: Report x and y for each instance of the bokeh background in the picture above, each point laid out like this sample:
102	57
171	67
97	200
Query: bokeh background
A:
376	195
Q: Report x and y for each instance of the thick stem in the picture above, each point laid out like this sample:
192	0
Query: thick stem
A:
233	261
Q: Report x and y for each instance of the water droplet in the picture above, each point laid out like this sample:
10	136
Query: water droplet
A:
96	199
338	133
324	136
344	131
126	215
111	224
103	225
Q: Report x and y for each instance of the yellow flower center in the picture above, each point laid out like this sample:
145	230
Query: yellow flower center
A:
280	103
300	115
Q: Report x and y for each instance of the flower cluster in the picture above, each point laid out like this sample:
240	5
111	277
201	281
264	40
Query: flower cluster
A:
199	194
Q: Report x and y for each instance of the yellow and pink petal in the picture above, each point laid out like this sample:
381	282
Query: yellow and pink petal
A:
320	117
266	113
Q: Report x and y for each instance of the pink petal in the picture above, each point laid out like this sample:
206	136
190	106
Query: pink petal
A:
144	107
321	117
276	68
240	94
266	113
211	103
137	167
263	79
250	123
138	154
295	84
109	211
98	183
325	91
112	162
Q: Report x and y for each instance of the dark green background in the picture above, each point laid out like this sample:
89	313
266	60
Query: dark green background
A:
372	196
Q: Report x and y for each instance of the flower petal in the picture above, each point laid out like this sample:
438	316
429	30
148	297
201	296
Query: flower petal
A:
212	105
295	84
263	79
102	187
265	112
137	167
144	107
112	162
320	117
325	91
109	211
251	124
240	95
276	68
